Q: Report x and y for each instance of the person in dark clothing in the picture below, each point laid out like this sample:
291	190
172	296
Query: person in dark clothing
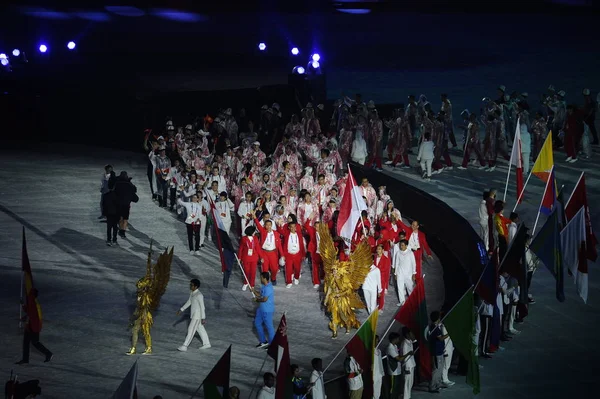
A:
126	194
299	387
110	209
33	327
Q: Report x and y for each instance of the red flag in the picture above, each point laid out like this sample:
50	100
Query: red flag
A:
516	159
280	352
549	198
577	201
350	209
413	314
223	239
32	306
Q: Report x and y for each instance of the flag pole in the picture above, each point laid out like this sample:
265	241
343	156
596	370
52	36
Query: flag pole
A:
258	375
510	161
576	184
196	391
356	199
541	202
338	354
522	191
471	288
244	273
385	333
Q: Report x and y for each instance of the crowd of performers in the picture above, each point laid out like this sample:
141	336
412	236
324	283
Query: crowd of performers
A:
284	197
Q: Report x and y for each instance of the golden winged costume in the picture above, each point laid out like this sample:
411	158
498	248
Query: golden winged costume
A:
150	289
342	280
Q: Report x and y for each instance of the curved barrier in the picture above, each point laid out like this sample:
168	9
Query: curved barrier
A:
450	235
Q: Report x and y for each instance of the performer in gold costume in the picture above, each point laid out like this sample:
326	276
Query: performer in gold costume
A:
342	280
150	289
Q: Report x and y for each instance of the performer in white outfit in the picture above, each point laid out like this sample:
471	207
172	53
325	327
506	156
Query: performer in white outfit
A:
245	212
203	224
197	317
378	370
484	218
448	352
317	382
405	270
224	208
372	288
408	364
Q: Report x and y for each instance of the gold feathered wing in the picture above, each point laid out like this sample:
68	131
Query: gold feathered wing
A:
326	248
361	260
160	277
342	280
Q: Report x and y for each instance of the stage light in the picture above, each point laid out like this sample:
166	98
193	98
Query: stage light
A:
315	64
4	61
2	56
16	52
262	46
316	57
298	70
295	51
71	45
43	48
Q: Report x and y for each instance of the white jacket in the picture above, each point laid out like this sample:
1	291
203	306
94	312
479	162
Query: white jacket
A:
373	280
359	148
483	214
196	301
426	151
194	211
405	264
219	179
224	209
244	209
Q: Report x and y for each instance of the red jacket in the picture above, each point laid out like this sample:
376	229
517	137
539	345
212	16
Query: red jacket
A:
422	242
312	238
286	234
263	237
245	245
384	264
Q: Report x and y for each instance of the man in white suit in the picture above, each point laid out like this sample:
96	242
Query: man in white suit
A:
372	288
197	316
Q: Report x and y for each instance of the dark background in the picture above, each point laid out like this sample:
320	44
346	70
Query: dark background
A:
128	63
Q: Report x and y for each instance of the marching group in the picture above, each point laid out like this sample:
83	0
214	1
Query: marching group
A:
272	187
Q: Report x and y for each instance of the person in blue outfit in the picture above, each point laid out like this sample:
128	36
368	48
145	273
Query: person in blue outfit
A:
264	313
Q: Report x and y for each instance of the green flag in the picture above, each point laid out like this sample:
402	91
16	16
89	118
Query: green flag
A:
460	323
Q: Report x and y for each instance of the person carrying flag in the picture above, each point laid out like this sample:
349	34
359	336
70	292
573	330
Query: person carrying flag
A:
33	327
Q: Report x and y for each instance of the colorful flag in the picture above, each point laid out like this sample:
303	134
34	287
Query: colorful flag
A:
223	239
128	387
362	349
547	246
545	160
516	159
573	240
487	287
549	199
577	201
216	383
514	261
413	314
350	209
31	304
280	352
460	323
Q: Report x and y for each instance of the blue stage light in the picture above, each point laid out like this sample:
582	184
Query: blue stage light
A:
4	61
262	46
315	64
16	52
316	57
295	51
2	56
43	48
71	45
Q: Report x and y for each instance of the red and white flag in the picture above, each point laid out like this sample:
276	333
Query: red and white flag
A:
516	159
573	243
223	239
577	201
350	209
